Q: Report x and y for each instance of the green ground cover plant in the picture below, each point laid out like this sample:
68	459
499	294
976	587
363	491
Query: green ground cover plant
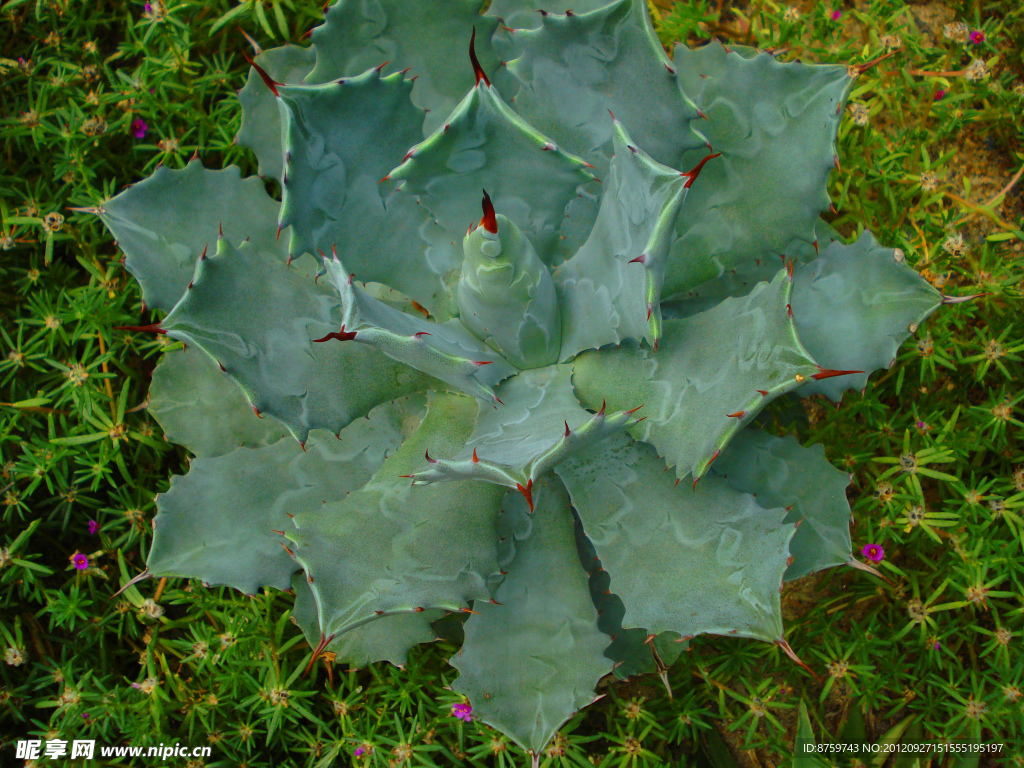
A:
98	95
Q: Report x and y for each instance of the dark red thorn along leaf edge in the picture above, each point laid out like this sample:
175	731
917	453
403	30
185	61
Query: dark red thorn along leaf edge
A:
270	82
527	492
961	299
325	640
477	69
489	221
825	373
341	335
692	174
792	654
862	68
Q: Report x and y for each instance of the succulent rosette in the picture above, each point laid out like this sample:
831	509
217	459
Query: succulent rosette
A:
497	350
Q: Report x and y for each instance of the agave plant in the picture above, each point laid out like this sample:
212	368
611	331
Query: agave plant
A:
515	423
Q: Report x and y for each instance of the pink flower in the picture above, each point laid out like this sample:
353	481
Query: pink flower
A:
873	552
360	751
81	561
939	94
977	37
139	128
149	8
463	712
836	15
936	646
93	526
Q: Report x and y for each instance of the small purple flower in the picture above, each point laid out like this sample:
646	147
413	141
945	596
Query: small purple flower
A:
81	561
873	552
93	526
463	712
149	8
836	15
139	128
977	36
360	751
939	94
936	646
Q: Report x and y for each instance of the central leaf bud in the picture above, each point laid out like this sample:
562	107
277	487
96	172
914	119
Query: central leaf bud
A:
506	294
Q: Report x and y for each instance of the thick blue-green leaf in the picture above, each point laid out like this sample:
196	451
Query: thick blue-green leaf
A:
201	407
388	548
713	372
537	423
429	39
255	317
526	14
506	295
340	139
779	472
853	307
634	651
165	222
218	522
575	69
447	351
484	145
532	659
775	125
389	638
741	279
687	560
611	289
261	120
